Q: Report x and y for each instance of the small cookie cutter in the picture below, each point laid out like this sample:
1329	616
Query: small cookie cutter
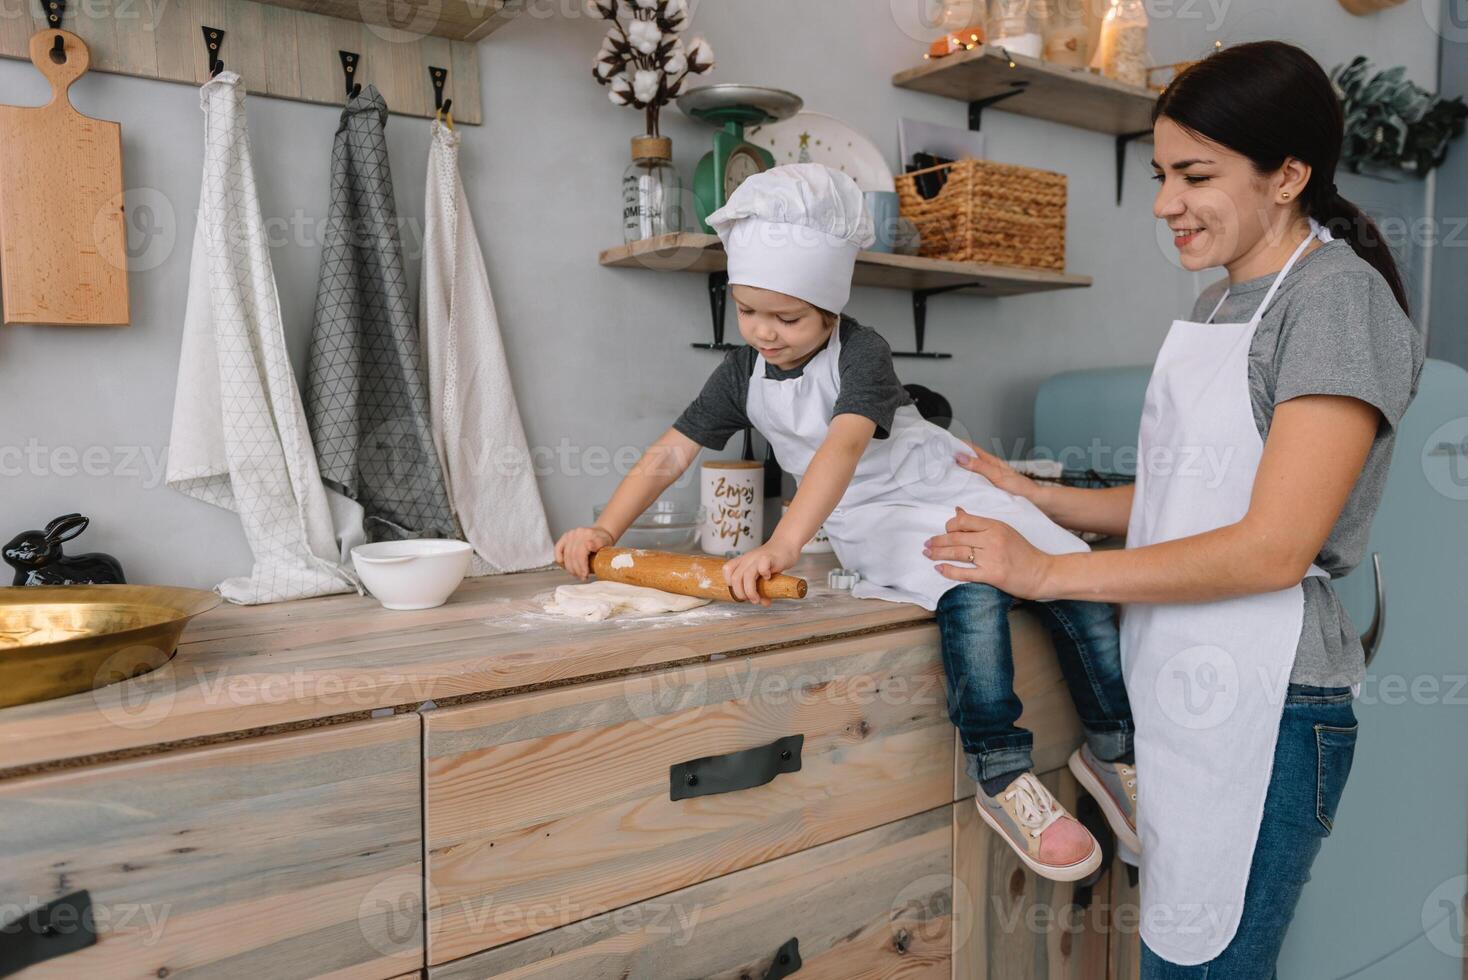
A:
843	578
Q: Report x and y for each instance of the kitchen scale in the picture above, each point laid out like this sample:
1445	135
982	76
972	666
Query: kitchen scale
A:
731	107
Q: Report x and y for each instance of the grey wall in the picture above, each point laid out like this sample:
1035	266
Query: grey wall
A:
600	356
1447	336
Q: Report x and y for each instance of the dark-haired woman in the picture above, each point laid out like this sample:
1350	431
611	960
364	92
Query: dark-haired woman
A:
1265	439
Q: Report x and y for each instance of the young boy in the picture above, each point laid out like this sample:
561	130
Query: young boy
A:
821	389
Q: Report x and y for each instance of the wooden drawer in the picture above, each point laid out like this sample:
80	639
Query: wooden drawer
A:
295	855
873	905
554	806
1049	712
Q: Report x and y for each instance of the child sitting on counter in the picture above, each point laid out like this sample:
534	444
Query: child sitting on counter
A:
821	388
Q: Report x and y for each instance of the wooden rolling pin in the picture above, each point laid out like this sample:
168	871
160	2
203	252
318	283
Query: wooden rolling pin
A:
683	574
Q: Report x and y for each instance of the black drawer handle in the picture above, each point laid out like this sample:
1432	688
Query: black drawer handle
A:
744	769
787	960
63	926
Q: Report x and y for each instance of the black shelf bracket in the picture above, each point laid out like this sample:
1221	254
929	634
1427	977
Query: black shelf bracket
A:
1122	140
718	294
920	319
976	107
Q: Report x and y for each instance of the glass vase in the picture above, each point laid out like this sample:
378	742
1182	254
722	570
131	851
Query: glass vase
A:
652	191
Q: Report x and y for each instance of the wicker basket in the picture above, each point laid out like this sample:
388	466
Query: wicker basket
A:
995	213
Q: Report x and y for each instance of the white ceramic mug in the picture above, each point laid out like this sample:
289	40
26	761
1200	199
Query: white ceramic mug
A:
733	500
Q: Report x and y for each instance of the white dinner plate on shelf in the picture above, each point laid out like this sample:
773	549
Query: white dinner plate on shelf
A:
819	138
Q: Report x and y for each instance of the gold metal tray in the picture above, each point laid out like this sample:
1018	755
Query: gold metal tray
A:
59	640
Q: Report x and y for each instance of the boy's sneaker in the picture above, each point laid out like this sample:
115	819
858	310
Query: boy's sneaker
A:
1051	842
1113	785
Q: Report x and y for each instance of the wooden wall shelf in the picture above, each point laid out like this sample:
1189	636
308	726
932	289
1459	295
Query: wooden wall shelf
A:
457	20
1071	96
694	252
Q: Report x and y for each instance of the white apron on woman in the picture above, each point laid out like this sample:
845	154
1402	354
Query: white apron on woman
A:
904	490
475	421
1206	680
239	438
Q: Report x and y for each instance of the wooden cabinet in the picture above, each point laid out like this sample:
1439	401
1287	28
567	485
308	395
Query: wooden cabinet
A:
651	800
875	904
555	806
295	855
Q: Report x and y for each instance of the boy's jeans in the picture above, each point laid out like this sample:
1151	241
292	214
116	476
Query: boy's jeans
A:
973	620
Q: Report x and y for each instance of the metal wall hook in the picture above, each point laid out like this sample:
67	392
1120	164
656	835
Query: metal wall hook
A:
213	41
439	77
349	73
55	11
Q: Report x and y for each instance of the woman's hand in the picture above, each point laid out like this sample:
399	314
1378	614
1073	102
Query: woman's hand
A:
742	574
576	547
998	472
999	554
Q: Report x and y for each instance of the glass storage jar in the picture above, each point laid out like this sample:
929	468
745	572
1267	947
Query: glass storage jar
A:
652	191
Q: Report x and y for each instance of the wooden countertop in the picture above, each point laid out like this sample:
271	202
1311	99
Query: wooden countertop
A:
241	669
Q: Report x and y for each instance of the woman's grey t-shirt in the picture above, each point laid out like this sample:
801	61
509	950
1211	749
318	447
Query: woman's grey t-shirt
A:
1333	328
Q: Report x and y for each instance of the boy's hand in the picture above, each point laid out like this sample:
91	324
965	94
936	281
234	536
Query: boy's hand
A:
742	574
576	547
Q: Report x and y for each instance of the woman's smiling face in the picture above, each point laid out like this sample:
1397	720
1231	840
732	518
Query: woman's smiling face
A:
785	330
1218	206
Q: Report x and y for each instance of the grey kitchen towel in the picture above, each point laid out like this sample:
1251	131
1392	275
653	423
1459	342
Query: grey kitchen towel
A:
366	392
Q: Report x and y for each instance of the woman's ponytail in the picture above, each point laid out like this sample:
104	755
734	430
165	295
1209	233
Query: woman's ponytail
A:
1348	222
1269	100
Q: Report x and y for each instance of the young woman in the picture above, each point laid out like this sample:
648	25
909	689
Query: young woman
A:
1291	376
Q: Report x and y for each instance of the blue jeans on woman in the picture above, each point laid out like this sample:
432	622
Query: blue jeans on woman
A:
1317	739
973	621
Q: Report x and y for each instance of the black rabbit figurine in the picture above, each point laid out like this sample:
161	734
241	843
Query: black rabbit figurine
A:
37	558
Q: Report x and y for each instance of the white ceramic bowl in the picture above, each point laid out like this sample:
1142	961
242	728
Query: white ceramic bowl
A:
415	573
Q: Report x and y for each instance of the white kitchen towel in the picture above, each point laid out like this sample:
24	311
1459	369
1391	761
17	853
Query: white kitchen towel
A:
476	423
239	437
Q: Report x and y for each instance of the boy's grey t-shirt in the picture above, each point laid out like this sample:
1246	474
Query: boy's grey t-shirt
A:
869	387
1333	328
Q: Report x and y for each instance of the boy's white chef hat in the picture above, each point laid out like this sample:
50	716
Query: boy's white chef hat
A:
796	229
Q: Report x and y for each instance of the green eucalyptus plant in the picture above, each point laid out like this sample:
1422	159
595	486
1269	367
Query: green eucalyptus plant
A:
1391	122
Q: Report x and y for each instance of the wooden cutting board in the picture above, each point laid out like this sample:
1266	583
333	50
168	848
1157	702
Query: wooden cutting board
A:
63	254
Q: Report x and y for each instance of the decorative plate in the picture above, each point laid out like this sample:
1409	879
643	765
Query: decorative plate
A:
814	137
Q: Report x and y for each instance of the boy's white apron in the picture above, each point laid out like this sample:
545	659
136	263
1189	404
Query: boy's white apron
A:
1206	680
903	492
